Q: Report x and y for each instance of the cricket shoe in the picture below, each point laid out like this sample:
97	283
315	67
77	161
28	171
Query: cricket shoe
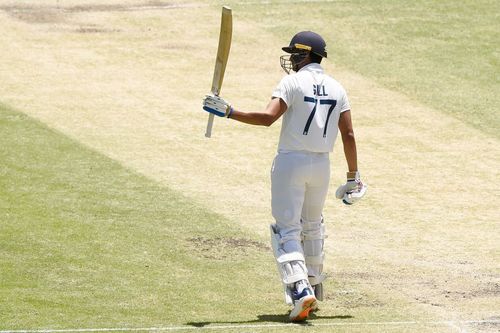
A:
305	301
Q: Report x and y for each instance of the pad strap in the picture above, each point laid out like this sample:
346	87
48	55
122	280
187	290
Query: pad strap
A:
314	280
292	267
315	260
314	237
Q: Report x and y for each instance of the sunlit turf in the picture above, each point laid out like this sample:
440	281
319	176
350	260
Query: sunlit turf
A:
88	243
85	242
443	54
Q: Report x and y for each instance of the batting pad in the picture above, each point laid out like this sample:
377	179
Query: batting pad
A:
313	236
291	266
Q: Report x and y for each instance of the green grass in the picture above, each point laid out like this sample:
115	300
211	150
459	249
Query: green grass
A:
443	54
86	242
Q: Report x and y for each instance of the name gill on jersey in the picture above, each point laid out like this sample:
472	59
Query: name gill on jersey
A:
315	102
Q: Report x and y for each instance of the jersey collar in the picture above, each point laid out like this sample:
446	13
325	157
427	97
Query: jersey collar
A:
312	67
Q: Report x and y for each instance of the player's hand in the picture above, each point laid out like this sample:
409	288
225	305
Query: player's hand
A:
217	105
353	190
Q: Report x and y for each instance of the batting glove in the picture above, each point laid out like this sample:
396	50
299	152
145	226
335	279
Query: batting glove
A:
351	191
217	105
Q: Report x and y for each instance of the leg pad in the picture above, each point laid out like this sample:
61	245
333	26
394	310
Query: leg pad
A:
291	266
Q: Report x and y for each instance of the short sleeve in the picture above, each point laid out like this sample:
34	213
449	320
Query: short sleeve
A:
284	90
344	104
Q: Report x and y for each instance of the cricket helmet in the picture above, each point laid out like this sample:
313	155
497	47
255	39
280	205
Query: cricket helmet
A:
307	41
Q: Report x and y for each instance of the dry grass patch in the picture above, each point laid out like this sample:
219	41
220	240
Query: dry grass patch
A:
219	248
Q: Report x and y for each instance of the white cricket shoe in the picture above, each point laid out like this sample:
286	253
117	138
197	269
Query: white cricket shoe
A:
305	301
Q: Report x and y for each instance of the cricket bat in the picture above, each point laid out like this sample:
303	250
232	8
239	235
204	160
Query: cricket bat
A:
226	32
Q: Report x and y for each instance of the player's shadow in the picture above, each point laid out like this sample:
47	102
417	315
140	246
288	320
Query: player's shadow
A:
268	318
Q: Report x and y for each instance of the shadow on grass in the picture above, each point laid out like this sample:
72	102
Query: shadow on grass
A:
268	318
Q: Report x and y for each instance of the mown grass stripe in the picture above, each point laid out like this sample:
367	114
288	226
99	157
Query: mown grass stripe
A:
85	240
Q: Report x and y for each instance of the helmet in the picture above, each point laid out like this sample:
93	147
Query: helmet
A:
307	41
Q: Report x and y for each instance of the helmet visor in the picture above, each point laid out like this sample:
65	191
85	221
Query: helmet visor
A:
293	61
286	63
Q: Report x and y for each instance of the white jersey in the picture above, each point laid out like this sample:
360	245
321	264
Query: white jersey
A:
315	101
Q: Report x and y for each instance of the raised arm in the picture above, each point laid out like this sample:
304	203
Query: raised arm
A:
273	112
222	108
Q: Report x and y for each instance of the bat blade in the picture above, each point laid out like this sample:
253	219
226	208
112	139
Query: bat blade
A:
226	32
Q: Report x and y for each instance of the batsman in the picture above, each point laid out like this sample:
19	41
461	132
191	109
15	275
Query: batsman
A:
313	107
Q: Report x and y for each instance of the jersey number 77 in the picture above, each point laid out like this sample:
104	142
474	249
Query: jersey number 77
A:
326	102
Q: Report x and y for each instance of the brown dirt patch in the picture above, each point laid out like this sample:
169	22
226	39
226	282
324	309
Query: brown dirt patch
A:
46	14
489	325
151	5
94	29
220	248
351	299
35	14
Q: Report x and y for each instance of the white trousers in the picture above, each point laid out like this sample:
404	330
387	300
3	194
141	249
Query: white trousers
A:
299	185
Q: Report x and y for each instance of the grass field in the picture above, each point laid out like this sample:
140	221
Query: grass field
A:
116	213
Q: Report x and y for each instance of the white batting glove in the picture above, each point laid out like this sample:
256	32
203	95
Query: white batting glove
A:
351	191
217	105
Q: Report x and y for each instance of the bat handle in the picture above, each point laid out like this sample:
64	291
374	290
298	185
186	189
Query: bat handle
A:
210	123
